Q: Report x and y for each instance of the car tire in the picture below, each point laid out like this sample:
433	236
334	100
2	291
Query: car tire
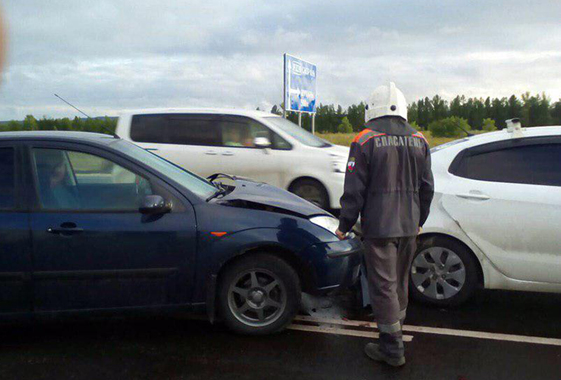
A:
443	273
311	190
259	294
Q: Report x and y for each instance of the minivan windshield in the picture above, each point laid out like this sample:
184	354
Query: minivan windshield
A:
298	133
197	185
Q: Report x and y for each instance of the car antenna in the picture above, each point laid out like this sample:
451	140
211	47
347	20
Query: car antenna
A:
89	117
469	134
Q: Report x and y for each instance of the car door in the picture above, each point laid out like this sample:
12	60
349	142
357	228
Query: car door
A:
15	244
506	196
92	248
191	141
241	157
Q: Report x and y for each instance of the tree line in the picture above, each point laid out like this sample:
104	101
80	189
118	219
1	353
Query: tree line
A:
469	113
533	110
30	123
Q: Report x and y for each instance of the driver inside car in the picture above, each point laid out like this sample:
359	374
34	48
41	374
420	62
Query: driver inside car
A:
61	194
235	136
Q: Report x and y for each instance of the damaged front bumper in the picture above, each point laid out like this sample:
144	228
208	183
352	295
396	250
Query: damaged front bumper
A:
337	263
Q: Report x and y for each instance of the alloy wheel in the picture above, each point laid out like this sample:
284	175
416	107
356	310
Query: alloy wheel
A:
257	297
438	273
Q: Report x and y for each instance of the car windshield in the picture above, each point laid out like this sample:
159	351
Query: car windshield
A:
298	133
190	181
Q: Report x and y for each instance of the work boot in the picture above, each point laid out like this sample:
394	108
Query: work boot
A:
390	349
372	350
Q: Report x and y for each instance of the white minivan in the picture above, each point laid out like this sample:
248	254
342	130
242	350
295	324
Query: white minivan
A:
252	144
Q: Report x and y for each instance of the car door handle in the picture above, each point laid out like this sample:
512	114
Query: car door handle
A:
211	153
474	196
65	229
228	153
151	149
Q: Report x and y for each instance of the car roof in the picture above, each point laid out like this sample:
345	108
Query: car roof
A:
71	136
503	134
527	132
218	111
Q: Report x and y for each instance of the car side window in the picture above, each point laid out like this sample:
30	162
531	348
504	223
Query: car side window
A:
536	164
194	130
76	181
242	131
149	128
280	143
7	174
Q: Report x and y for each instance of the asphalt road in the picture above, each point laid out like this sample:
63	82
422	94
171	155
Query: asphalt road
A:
184	348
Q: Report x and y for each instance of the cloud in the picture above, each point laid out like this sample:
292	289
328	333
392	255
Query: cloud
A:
107	56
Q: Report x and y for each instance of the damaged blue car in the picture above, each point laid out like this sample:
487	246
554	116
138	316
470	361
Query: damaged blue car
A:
90	223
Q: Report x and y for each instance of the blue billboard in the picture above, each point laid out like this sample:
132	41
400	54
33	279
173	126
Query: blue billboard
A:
299	85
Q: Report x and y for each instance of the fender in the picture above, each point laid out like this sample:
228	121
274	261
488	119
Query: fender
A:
216	252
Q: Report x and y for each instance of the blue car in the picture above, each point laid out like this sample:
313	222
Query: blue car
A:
90	223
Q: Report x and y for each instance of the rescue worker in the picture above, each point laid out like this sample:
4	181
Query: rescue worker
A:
390	184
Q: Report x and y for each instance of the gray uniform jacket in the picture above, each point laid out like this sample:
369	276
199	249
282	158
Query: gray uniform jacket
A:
389	180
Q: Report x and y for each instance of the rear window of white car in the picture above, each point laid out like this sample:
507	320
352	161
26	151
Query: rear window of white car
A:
535	164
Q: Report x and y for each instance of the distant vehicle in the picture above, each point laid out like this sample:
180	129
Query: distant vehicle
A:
91	223
252	144
495	217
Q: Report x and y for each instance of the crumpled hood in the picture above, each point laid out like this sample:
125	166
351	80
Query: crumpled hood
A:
274	197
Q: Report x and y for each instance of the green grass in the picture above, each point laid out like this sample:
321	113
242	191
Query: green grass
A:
346	138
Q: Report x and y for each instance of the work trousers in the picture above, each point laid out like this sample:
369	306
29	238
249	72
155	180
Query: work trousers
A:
387	264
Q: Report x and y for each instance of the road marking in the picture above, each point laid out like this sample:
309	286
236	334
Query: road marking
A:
338	331
333	321
484	335
440	331
326	326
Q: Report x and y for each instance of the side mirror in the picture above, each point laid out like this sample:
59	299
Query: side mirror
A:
261	142
154	204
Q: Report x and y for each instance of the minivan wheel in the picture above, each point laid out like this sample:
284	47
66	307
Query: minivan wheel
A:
259	295
312	191
443	272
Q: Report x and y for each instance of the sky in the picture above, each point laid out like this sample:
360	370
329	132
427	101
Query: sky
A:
107	56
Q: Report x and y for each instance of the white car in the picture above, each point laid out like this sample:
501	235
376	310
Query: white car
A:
251	144
496	217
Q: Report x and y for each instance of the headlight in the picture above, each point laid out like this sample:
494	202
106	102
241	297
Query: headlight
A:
339	166
328	222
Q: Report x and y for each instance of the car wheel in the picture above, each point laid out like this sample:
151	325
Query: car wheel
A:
312	191
443	272
259	295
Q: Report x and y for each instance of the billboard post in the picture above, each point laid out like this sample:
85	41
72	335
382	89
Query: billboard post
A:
299	87
284	113
313	123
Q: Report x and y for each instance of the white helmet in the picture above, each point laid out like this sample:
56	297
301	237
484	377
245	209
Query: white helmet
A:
386	101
